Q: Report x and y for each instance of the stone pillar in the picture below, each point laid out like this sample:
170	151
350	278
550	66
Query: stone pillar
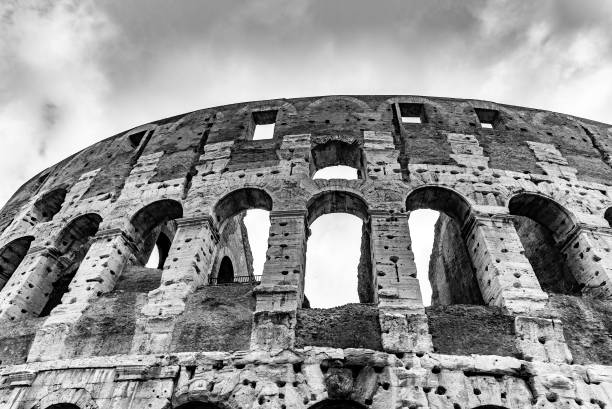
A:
381	156
26	292
187	266
97	274
504	274
401	312
281	291
588	253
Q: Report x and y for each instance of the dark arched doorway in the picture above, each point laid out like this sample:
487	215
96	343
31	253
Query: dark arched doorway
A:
226	271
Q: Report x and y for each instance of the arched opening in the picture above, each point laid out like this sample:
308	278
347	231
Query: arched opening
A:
49	204
608	215
73	243
452	277
154	229
198	405
338	261
63	406
337	404
243	217
490	407
543	225
159	252
337	160
226	271
11	256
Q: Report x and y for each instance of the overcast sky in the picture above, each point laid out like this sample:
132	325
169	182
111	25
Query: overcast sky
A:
74	72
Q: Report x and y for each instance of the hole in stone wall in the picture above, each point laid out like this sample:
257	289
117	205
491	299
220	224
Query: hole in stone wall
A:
422	228
451	272
338	260
154	228
136	138
257	224
488	118
542	225
412	113
153	261
63	406
336	172
263	124
332	260
73	243
49	204
243	217
198	405
337	159
11	256
226	271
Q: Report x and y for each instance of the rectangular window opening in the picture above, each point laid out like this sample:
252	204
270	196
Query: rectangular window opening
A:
489	118
412	113
264	124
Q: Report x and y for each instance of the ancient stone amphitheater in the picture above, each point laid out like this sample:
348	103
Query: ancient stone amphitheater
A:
521	268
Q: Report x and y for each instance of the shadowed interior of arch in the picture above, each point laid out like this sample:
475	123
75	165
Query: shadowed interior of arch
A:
198	405
543	226
154	229
72	243
63	406
438	214
338	264
250	207
337	160
337	404
11	255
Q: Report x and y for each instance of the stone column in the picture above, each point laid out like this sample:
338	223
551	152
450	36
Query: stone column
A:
281	291
26	292
97	274
588	253
504	274
187	266
401	312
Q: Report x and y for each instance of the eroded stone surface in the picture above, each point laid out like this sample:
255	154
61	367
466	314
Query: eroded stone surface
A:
521	268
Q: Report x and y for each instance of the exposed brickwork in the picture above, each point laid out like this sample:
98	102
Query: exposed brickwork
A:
521	268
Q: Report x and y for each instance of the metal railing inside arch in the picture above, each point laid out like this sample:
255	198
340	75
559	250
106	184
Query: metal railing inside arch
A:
256	279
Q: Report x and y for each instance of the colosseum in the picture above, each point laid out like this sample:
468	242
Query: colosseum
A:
521	267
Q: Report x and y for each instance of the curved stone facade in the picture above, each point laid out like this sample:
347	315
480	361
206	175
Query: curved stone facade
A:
521	268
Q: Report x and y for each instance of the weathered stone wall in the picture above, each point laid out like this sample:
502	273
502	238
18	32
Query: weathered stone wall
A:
521	266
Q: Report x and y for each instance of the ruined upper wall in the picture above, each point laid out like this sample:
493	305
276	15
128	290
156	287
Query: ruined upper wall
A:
586	145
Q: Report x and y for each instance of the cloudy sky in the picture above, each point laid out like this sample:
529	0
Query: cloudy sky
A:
74	72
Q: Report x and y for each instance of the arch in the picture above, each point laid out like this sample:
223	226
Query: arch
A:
72	243
490	407
154	214
543	226
544	210
337	98
336	201
11	255
77	232
441	199
196	404
336	152
67	398
226	271
49	204
451	271
241	200
337	404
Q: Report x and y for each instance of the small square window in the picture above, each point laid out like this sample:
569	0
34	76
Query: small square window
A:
488	118
263	124
412	113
